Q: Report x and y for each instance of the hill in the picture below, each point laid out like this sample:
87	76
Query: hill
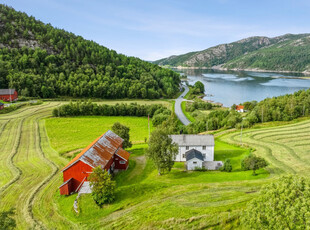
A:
40	60
284	53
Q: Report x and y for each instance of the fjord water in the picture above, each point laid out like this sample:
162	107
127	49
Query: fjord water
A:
232	87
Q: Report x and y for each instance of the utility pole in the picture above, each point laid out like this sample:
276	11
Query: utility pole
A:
241	131
207	125
262	114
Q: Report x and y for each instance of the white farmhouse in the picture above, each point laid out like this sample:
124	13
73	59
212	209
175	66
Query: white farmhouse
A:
202	143
197	151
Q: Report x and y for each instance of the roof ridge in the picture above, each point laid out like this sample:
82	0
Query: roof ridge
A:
77	157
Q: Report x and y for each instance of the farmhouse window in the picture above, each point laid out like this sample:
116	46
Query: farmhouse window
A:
183	155
195	162
204	147
187	147
122	162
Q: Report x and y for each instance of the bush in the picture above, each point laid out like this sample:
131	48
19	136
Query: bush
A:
103	188
227	167
283	204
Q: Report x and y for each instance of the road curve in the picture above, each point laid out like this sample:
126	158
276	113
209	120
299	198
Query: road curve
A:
177	107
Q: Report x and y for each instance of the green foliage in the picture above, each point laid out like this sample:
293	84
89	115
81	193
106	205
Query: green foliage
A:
123	132
283	204
88	108
253	162
63	64
199	87
7	221
161	150
103	188
227	167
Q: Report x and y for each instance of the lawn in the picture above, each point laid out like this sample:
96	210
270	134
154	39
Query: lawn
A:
71	133
178	194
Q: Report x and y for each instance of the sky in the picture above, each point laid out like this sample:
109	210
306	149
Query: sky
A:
157	29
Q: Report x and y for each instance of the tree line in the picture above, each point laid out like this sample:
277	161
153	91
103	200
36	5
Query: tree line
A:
157	112
281	108
59	63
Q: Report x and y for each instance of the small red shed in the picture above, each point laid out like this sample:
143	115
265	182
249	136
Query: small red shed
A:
8	94
1	106
106	151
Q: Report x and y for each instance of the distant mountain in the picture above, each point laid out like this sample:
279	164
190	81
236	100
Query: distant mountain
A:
284	53
40	60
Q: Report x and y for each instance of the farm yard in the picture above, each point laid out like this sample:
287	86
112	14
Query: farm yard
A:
30	165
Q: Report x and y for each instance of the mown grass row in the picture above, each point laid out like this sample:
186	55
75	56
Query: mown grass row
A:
34	170
279	145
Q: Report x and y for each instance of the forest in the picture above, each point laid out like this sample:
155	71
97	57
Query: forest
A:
39	60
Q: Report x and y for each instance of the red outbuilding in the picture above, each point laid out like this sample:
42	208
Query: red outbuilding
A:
1	106
8	94
106	151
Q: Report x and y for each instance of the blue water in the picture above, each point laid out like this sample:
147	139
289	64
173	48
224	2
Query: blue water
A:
229	87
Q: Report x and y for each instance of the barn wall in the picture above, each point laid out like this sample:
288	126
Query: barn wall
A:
118	165
7	97
78	171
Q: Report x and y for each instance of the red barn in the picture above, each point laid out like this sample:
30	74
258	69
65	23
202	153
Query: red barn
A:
106	151
8	94
1	106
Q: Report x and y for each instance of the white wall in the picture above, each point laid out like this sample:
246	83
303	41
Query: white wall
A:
209	152
193	163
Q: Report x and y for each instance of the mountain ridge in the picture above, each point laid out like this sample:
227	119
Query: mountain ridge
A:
241	54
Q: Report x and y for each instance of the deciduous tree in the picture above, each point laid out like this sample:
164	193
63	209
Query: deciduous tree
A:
123	132
161	150
103	187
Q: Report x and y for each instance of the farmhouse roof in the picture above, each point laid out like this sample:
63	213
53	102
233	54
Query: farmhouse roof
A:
100	151
193	140
193	153
7	91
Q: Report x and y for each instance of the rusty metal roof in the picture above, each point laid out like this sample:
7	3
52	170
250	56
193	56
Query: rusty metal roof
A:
123	154
100	151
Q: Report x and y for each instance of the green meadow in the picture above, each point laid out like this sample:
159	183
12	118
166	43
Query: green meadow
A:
31	143
71	133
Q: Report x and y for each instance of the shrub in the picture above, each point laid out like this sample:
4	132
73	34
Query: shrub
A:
227	167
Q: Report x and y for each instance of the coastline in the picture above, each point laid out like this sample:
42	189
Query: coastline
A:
306	73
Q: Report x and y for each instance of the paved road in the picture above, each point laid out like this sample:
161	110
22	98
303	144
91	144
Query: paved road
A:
178	109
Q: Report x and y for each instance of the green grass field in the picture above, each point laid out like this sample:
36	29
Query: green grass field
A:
67	134
30	177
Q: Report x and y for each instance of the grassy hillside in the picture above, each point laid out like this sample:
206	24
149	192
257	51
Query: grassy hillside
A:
39	60
284	53
30	170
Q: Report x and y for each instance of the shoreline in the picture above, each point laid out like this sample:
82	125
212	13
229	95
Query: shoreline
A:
306	73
